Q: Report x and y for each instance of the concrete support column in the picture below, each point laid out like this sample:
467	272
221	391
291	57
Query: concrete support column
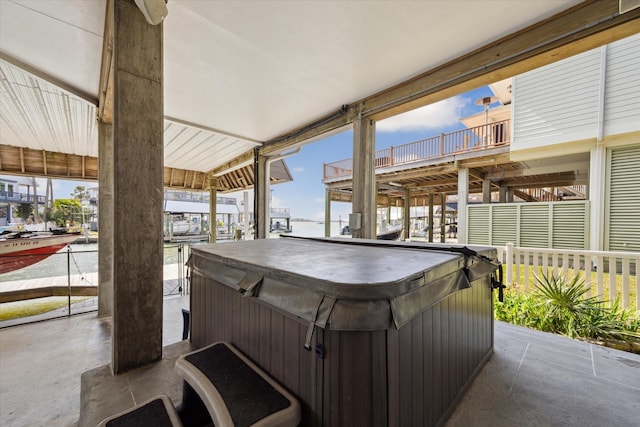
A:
486	191
105	219
430	237
245	216
502	198
213	209
463	199
364	183
406	213
509	196
327	213
261	196
138	146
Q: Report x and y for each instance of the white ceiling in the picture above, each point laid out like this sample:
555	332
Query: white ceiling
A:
236	73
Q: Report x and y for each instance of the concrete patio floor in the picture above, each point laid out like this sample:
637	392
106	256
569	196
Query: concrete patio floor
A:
532	379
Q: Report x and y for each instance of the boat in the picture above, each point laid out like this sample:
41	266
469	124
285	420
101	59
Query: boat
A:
391	232
280	220
24	248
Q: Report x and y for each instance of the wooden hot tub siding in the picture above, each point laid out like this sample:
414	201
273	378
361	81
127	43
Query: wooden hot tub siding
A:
413	376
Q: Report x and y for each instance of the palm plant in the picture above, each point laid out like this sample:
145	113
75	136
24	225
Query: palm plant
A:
565	309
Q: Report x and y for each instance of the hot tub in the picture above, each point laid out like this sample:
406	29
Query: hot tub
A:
362	332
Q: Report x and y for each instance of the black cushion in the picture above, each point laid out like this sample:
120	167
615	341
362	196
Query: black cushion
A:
153	413
249	398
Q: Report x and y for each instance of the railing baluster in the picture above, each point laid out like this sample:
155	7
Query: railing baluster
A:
600	275
526	269
587	272
612	279
518	254
637	269
625	283
509	262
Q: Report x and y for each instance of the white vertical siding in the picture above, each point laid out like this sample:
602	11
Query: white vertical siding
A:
557	103
622	100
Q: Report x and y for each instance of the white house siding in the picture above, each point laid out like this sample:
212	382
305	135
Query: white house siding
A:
559	104
622	101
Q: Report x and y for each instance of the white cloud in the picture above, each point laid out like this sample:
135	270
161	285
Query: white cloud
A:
433	116
298	169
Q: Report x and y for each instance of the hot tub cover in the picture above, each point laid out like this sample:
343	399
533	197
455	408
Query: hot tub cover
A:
344	284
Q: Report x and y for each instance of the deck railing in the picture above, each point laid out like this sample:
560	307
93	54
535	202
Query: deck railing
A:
607	275
12	196
198	197
447	144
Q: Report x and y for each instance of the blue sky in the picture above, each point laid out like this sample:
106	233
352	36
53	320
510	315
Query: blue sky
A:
305	194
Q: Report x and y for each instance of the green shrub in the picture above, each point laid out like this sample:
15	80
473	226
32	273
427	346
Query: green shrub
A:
560	306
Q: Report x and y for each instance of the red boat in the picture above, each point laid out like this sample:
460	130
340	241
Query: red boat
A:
22	249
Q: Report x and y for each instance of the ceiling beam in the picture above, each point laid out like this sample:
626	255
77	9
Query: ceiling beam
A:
588	25
237	163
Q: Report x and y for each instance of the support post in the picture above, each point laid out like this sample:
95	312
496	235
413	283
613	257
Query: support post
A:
261	196
509	261
245	216
463	197
406	214
502	194
443	217
327	213
430	237
213	209
138	157
486	191
105	219
364	185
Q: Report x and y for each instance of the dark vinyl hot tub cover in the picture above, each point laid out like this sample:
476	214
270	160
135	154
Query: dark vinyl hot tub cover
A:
344	284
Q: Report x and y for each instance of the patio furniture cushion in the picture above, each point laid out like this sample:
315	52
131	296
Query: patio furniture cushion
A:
235	391
157	412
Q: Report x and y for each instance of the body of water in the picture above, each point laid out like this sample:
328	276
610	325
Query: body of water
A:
83	258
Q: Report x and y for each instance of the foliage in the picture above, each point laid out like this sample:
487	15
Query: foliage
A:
80	193
25	210
560	306
63	210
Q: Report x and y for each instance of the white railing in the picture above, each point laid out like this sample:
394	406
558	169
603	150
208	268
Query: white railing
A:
607	275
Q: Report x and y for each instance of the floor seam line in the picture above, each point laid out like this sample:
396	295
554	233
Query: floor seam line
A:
518	370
